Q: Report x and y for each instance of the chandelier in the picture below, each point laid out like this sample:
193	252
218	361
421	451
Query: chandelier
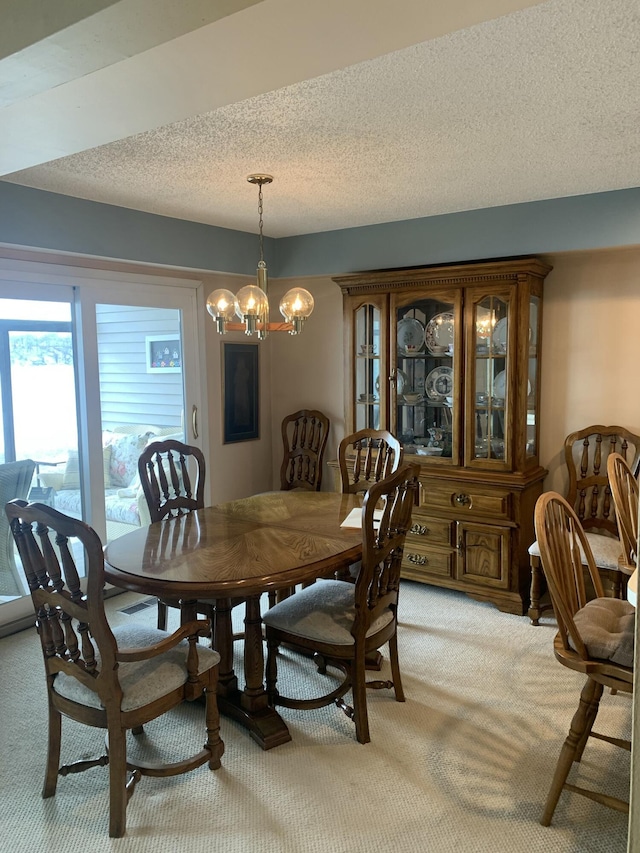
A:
251	304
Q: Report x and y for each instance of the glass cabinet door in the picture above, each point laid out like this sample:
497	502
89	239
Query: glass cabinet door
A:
532	387
369	389
424	348
488	392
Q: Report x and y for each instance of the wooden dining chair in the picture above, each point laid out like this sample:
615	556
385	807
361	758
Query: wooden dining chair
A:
116	679
172	475
343	622
304	438
595	636
366	457
589	493
624	489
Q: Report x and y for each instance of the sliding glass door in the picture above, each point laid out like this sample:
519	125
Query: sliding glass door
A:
36	352
38	416
89	374
142	399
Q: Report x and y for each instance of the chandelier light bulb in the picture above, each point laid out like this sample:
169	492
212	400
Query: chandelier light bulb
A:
295	306
251	301
221	304
251	305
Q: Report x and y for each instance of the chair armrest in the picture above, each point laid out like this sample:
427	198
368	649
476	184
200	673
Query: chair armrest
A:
196	628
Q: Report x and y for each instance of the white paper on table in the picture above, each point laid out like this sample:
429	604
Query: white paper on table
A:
354	519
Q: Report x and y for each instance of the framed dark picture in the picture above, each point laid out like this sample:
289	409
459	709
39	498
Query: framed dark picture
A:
163	354
240	389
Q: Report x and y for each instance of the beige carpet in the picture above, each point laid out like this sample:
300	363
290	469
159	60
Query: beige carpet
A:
463	765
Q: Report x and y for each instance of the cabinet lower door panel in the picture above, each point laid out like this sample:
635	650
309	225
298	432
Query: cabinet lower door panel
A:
483	554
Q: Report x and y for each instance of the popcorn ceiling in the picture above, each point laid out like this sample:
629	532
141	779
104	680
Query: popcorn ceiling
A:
542	103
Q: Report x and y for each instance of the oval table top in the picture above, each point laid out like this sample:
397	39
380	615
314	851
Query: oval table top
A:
243	547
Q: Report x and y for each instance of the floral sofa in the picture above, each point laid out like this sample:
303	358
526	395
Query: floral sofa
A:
125	504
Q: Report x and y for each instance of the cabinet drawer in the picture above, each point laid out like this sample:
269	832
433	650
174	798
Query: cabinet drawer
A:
426	530
418	560
463	499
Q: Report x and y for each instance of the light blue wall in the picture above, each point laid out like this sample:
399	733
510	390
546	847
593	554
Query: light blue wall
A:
32	218
558	225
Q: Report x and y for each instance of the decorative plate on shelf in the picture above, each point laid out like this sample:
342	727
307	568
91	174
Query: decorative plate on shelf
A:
402	382
410	332
500	385
439	384
438	336
501	333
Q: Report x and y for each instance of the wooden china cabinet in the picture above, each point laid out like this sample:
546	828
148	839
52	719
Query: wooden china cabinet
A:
447	358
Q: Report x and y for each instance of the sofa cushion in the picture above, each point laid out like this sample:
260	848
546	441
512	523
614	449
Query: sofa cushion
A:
71	477
125	450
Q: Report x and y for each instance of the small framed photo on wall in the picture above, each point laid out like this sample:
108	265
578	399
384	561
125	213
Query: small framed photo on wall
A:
163	353
240	392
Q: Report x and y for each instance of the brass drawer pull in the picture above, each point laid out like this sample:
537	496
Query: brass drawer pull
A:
462	499
419	529
418	559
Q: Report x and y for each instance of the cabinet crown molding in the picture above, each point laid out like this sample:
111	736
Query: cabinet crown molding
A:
451	275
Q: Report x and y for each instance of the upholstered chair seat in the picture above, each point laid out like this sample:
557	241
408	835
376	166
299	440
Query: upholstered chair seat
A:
141	681
606	550
324	611
607	628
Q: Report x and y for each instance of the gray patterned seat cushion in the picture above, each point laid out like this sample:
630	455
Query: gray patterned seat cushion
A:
142	681
607	628
323	611
606	550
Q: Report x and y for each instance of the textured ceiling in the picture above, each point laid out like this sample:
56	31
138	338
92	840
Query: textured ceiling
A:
540	103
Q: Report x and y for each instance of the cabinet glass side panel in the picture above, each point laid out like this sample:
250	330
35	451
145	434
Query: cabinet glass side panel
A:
424	340
532	390
491	321
367	367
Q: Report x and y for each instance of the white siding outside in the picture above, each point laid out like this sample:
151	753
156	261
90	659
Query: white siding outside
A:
128	393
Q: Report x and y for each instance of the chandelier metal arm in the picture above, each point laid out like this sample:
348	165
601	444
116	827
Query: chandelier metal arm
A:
271	327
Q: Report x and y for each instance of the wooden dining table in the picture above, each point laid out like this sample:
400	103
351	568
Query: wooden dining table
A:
239	550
